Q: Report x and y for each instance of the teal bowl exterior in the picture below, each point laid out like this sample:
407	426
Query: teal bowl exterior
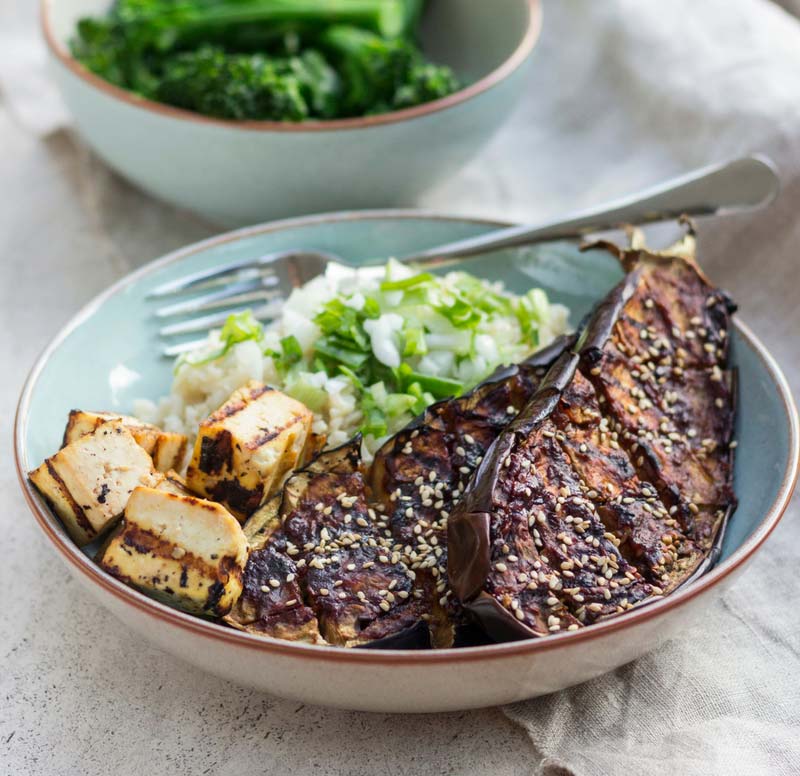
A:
243	172
90	365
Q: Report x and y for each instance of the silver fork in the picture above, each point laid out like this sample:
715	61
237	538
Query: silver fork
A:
260	283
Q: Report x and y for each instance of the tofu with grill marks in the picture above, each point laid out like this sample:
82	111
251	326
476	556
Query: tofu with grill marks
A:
172	482
167	449
88	482
185	551
245	449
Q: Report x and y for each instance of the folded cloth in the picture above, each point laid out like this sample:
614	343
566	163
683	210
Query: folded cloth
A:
686	83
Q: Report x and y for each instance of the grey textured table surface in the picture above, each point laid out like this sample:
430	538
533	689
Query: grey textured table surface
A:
79	694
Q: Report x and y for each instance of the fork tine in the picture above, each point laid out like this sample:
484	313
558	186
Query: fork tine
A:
218	298
188	281
230	269
266	312
170	351
231	304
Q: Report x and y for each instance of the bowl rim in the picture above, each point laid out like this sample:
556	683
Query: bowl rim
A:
491	79
205	628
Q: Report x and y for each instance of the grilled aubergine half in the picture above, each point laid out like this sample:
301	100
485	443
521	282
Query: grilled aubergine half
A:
420	474
613	484
324	567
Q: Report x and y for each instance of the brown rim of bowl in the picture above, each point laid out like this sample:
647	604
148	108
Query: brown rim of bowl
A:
207	629
512	63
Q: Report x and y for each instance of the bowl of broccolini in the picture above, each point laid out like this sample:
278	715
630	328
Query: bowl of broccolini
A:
244	110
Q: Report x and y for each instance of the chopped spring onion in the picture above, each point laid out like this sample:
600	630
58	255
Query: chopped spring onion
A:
375	347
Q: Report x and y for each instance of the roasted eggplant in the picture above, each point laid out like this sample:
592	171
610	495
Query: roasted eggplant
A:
421	472
613	484
333	559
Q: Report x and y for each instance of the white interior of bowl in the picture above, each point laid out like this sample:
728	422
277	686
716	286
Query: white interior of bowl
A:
474	37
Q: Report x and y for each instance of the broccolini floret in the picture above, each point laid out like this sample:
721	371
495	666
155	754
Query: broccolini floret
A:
282	60
382	75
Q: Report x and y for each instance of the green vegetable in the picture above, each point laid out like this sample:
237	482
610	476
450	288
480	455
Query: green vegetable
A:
312	396
382	75
281	60
404	340
240	86
438	387
239	327
289	355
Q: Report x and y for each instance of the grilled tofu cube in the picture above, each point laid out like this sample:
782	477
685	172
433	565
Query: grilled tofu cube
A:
88	482
185	551
172	482
246	448
165	448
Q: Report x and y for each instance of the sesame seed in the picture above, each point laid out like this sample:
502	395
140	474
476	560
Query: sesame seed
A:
323	591
501	567
178	552
385	605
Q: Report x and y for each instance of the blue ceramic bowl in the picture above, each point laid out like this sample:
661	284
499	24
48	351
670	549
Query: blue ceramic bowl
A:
241	172
90	365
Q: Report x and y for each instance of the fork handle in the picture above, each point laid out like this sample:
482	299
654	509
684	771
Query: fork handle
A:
728	187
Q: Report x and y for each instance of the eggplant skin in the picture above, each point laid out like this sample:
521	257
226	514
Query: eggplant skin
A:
613	484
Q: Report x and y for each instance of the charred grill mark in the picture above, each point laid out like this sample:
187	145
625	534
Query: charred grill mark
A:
77	509
216	453
268	435
104	491
233	408
146	542
156	447
241	499
215	593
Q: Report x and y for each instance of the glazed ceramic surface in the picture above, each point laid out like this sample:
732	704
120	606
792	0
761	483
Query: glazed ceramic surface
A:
90	365
244	172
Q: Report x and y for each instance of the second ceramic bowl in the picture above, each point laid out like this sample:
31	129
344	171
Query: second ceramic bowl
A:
242	172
